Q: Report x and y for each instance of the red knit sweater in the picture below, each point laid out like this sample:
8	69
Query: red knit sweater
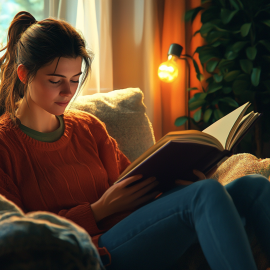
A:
64	177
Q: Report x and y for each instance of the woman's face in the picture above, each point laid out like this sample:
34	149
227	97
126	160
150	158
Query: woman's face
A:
52	89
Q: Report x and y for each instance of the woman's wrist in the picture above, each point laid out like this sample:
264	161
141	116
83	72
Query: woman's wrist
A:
98	211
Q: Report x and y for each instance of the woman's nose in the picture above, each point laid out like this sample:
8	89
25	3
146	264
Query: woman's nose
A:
66	91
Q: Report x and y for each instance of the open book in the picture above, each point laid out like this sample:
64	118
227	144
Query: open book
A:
176	154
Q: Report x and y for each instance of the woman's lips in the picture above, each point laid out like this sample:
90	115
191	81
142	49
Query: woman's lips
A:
62	104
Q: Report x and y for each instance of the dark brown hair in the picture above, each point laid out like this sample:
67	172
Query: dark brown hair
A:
36	44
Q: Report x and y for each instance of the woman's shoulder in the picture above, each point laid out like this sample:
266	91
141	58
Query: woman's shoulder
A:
82	116
82	119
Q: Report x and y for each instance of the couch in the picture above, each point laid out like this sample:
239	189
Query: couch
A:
124	115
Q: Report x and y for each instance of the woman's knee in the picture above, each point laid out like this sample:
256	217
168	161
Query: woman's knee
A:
251	184
210	188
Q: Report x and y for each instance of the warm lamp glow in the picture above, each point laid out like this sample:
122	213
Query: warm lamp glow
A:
168	70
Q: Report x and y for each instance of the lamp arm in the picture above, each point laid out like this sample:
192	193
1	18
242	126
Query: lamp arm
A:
187	87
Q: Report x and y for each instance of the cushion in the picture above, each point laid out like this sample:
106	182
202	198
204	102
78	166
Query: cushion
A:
43	240
240	165
124	115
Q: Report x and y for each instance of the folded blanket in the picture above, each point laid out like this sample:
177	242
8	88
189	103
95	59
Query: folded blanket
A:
42	240
240	165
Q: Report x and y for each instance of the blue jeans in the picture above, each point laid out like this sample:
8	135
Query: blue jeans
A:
156	235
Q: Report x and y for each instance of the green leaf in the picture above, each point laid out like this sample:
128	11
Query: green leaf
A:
243	77
225	64
213	36
267	22
211	65
213	87
209	14
192	88
207	115
239	86
216	44
180	121
238	46
255	76
196	104
199	75
251	53
246	65
235	4
197	115
245	29
226	15
222	3
227	90
230	101
197	32
203	95
230	76
218	114
206	53
207	27
218	78
266	44
230	55
191	14
206	57
197	96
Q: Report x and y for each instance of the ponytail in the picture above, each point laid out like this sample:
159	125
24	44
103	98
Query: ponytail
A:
34	45
11	88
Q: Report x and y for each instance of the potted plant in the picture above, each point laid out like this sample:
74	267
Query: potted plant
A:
237	55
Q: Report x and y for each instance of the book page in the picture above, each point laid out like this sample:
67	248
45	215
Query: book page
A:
244	125
224	127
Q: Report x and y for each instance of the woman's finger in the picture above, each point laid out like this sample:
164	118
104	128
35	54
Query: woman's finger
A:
142	191
199	174
146	198
136	187
183	182
130	180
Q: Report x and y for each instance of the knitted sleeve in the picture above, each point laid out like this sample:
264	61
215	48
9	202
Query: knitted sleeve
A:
83	216
9	190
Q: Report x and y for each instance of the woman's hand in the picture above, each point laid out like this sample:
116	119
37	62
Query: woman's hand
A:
121	197
200	175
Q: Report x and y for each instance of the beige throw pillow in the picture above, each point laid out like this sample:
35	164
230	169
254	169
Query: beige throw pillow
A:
124	115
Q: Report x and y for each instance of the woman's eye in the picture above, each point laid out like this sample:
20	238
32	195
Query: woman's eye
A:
54	82
75	81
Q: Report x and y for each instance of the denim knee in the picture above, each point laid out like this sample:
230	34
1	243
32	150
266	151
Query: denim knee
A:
252	184
209	187
208	192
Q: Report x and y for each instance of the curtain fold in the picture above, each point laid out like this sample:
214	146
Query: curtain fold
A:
94	22
174	93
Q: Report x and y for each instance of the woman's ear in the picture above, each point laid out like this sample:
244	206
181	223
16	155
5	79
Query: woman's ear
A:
22	73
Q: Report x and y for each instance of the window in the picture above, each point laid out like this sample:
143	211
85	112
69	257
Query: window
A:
9	8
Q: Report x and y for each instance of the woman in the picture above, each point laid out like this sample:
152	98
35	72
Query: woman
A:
66	163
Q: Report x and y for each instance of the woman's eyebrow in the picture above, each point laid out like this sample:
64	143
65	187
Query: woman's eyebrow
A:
59	75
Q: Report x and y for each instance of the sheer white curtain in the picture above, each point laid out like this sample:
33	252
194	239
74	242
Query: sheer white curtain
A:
93	19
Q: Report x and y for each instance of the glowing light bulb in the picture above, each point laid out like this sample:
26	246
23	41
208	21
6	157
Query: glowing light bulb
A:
168	70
